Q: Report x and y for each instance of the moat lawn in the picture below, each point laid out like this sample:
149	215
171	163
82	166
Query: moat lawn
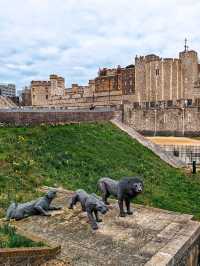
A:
76	156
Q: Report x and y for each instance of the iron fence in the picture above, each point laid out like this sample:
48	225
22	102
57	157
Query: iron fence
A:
186	153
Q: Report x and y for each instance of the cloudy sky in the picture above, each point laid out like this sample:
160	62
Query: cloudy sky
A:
74	38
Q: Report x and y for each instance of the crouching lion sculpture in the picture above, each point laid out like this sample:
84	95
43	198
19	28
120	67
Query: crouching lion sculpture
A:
91	204
36	207
124	190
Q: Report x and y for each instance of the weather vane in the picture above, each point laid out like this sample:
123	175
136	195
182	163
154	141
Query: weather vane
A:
186	46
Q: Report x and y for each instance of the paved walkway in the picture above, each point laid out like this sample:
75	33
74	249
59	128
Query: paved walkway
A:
135	240
174	141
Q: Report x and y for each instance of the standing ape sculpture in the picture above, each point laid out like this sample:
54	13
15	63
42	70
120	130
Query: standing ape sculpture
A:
124	190
89	203
40	206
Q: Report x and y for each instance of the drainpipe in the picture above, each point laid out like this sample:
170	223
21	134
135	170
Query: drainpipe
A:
183	129
155	122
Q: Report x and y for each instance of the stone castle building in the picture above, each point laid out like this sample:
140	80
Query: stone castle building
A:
168	96
43	91
151	81
167	79
110	88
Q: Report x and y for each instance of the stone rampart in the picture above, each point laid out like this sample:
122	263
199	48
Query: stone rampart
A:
36	117
172	121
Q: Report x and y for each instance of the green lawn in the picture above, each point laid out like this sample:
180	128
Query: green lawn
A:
76	156
10	239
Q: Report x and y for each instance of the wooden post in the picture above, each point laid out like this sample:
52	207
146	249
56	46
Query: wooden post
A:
194	167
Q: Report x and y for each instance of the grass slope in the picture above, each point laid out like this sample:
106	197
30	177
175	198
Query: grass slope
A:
76	156
10	239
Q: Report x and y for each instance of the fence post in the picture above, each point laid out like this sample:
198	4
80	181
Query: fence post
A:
194	168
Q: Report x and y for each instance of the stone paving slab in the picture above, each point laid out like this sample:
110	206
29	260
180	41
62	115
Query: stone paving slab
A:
149	237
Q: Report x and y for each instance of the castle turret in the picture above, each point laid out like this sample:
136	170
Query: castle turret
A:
189	65
140	79
57	85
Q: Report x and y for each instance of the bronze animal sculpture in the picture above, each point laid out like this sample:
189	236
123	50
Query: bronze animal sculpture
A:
40	206
124	190
91	204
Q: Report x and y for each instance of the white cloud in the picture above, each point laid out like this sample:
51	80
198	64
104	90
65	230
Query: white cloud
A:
75	37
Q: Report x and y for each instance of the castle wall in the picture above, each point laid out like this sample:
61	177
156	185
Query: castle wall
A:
38	116
98	99
163	121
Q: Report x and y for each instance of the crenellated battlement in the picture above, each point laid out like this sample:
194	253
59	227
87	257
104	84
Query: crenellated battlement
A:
40	83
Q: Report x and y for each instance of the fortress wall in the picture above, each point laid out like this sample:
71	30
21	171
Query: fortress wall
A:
169	121
53	117
98	99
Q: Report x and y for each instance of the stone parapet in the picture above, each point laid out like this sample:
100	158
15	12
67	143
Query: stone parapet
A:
175	121
54	117
27	256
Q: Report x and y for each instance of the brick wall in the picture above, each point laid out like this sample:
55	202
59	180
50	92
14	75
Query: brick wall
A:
53	117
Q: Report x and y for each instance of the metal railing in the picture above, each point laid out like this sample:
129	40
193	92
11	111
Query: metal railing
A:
185	153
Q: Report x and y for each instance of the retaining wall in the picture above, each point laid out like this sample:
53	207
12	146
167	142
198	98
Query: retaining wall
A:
53	117
27	256
163	121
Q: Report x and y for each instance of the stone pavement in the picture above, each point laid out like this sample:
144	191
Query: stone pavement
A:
150	236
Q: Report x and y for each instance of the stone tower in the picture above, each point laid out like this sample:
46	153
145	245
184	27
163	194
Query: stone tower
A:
140	79
57	85
189	66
